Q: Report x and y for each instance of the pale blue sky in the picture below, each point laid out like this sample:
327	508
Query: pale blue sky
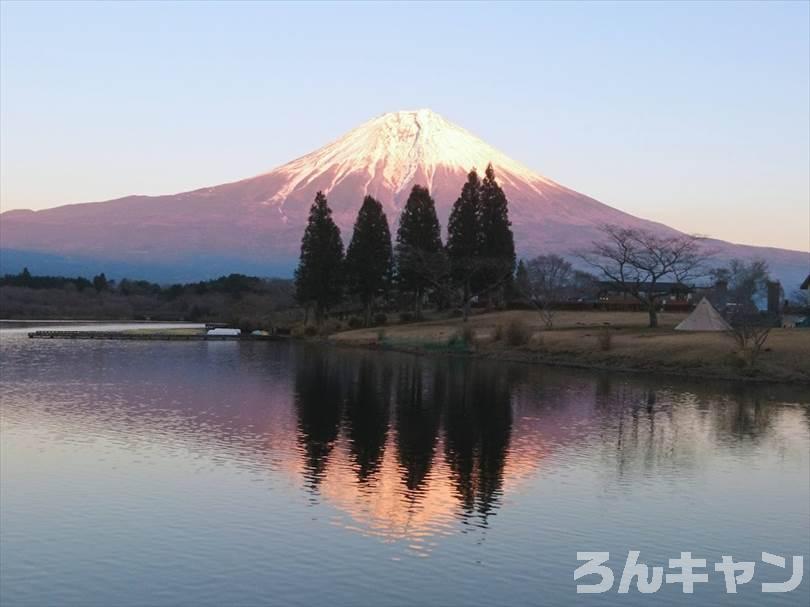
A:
694	114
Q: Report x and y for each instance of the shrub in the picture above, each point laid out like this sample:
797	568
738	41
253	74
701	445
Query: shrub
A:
355	322
456	313
537	341
605	339
749	332
468	335
380	318
405	317
329	327
517	333
310	331
246	325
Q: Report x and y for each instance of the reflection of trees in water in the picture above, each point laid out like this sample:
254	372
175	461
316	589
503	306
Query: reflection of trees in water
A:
661	425
418	413
367	412
477	432
333	387
743	416
318	400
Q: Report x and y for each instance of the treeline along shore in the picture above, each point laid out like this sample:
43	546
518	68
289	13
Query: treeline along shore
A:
243	301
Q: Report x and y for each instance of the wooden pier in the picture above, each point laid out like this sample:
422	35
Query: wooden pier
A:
157	336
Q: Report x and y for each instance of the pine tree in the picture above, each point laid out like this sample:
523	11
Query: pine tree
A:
497	242
464	236
522	283
523	287
318	278
369	257
419	253
100	282
25	277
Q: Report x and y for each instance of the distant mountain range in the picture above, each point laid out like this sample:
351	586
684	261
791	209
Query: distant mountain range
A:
255	225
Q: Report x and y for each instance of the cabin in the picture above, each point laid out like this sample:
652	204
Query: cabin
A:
669	292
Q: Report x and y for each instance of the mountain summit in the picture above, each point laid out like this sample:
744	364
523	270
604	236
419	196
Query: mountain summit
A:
397	148
255	225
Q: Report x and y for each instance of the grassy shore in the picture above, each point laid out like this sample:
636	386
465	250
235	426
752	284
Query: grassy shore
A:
578	340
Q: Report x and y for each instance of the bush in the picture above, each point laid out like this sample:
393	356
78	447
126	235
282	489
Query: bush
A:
355	322
405	317
329	327
468	335
605	339
380	318
456	313
310	331
517	333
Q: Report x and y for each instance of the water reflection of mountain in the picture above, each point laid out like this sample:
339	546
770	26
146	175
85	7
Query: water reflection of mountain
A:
404	446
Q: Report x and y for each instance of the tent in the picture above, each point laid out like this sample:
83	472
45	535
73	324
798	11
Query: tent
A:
704	318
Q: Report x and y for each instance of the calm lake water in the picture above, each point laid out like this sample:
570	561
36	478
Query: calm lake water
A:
171	473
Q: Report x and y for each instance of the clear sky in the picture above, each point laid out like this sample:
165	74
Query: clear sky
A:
693	114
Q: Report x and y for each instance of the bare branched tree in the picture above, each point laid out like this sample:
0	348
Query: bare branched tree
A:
636	261
549	276
745	280
431	267
750	331
434	269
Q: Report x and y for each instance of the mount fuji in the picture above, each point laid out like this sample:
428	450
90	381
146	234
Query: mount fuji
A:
255	225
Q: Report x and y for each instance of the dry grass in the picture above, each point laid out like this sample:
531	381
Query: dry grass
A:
575	341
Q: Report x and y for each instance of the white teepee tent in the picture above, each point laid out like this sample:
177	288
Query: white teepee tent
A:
704	318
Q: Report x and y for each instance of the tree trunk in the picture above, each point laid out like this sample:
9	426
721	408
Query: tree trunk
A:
467	300
419	303
653	316
367	312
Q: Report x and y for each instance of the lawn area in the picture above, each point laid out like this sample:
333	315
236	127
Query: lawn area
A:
578	339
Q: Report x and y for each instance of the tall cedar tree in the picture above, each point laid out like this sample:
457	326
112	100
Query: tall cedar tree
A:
419	245
522	286
369	257
497	242
464	237
318	278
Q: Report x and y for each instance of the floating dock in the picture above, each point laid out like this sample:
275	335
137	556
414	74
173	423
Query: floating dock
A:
126	336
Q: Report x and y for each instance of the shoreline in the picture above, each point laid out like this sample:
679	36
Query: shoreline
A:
575	343
530	358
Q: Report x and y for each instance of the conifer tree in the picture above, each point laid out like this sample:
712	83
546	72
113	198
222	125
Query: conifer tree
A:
419	253
100	282
497	242
318	278
464	237
523	287
369	257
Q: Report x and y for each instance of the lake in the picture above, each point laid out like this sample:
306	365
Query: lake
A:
214	473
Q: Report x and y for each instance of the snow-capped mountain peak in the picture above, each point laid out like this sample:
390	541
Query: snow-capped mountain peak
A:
393	149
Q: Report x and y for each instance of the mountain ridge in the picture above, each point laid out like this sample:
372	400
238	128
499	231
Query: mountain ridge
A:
262	217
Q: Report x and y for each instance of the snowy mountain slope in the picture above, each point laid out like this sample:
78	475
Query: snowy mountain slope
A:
261	219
